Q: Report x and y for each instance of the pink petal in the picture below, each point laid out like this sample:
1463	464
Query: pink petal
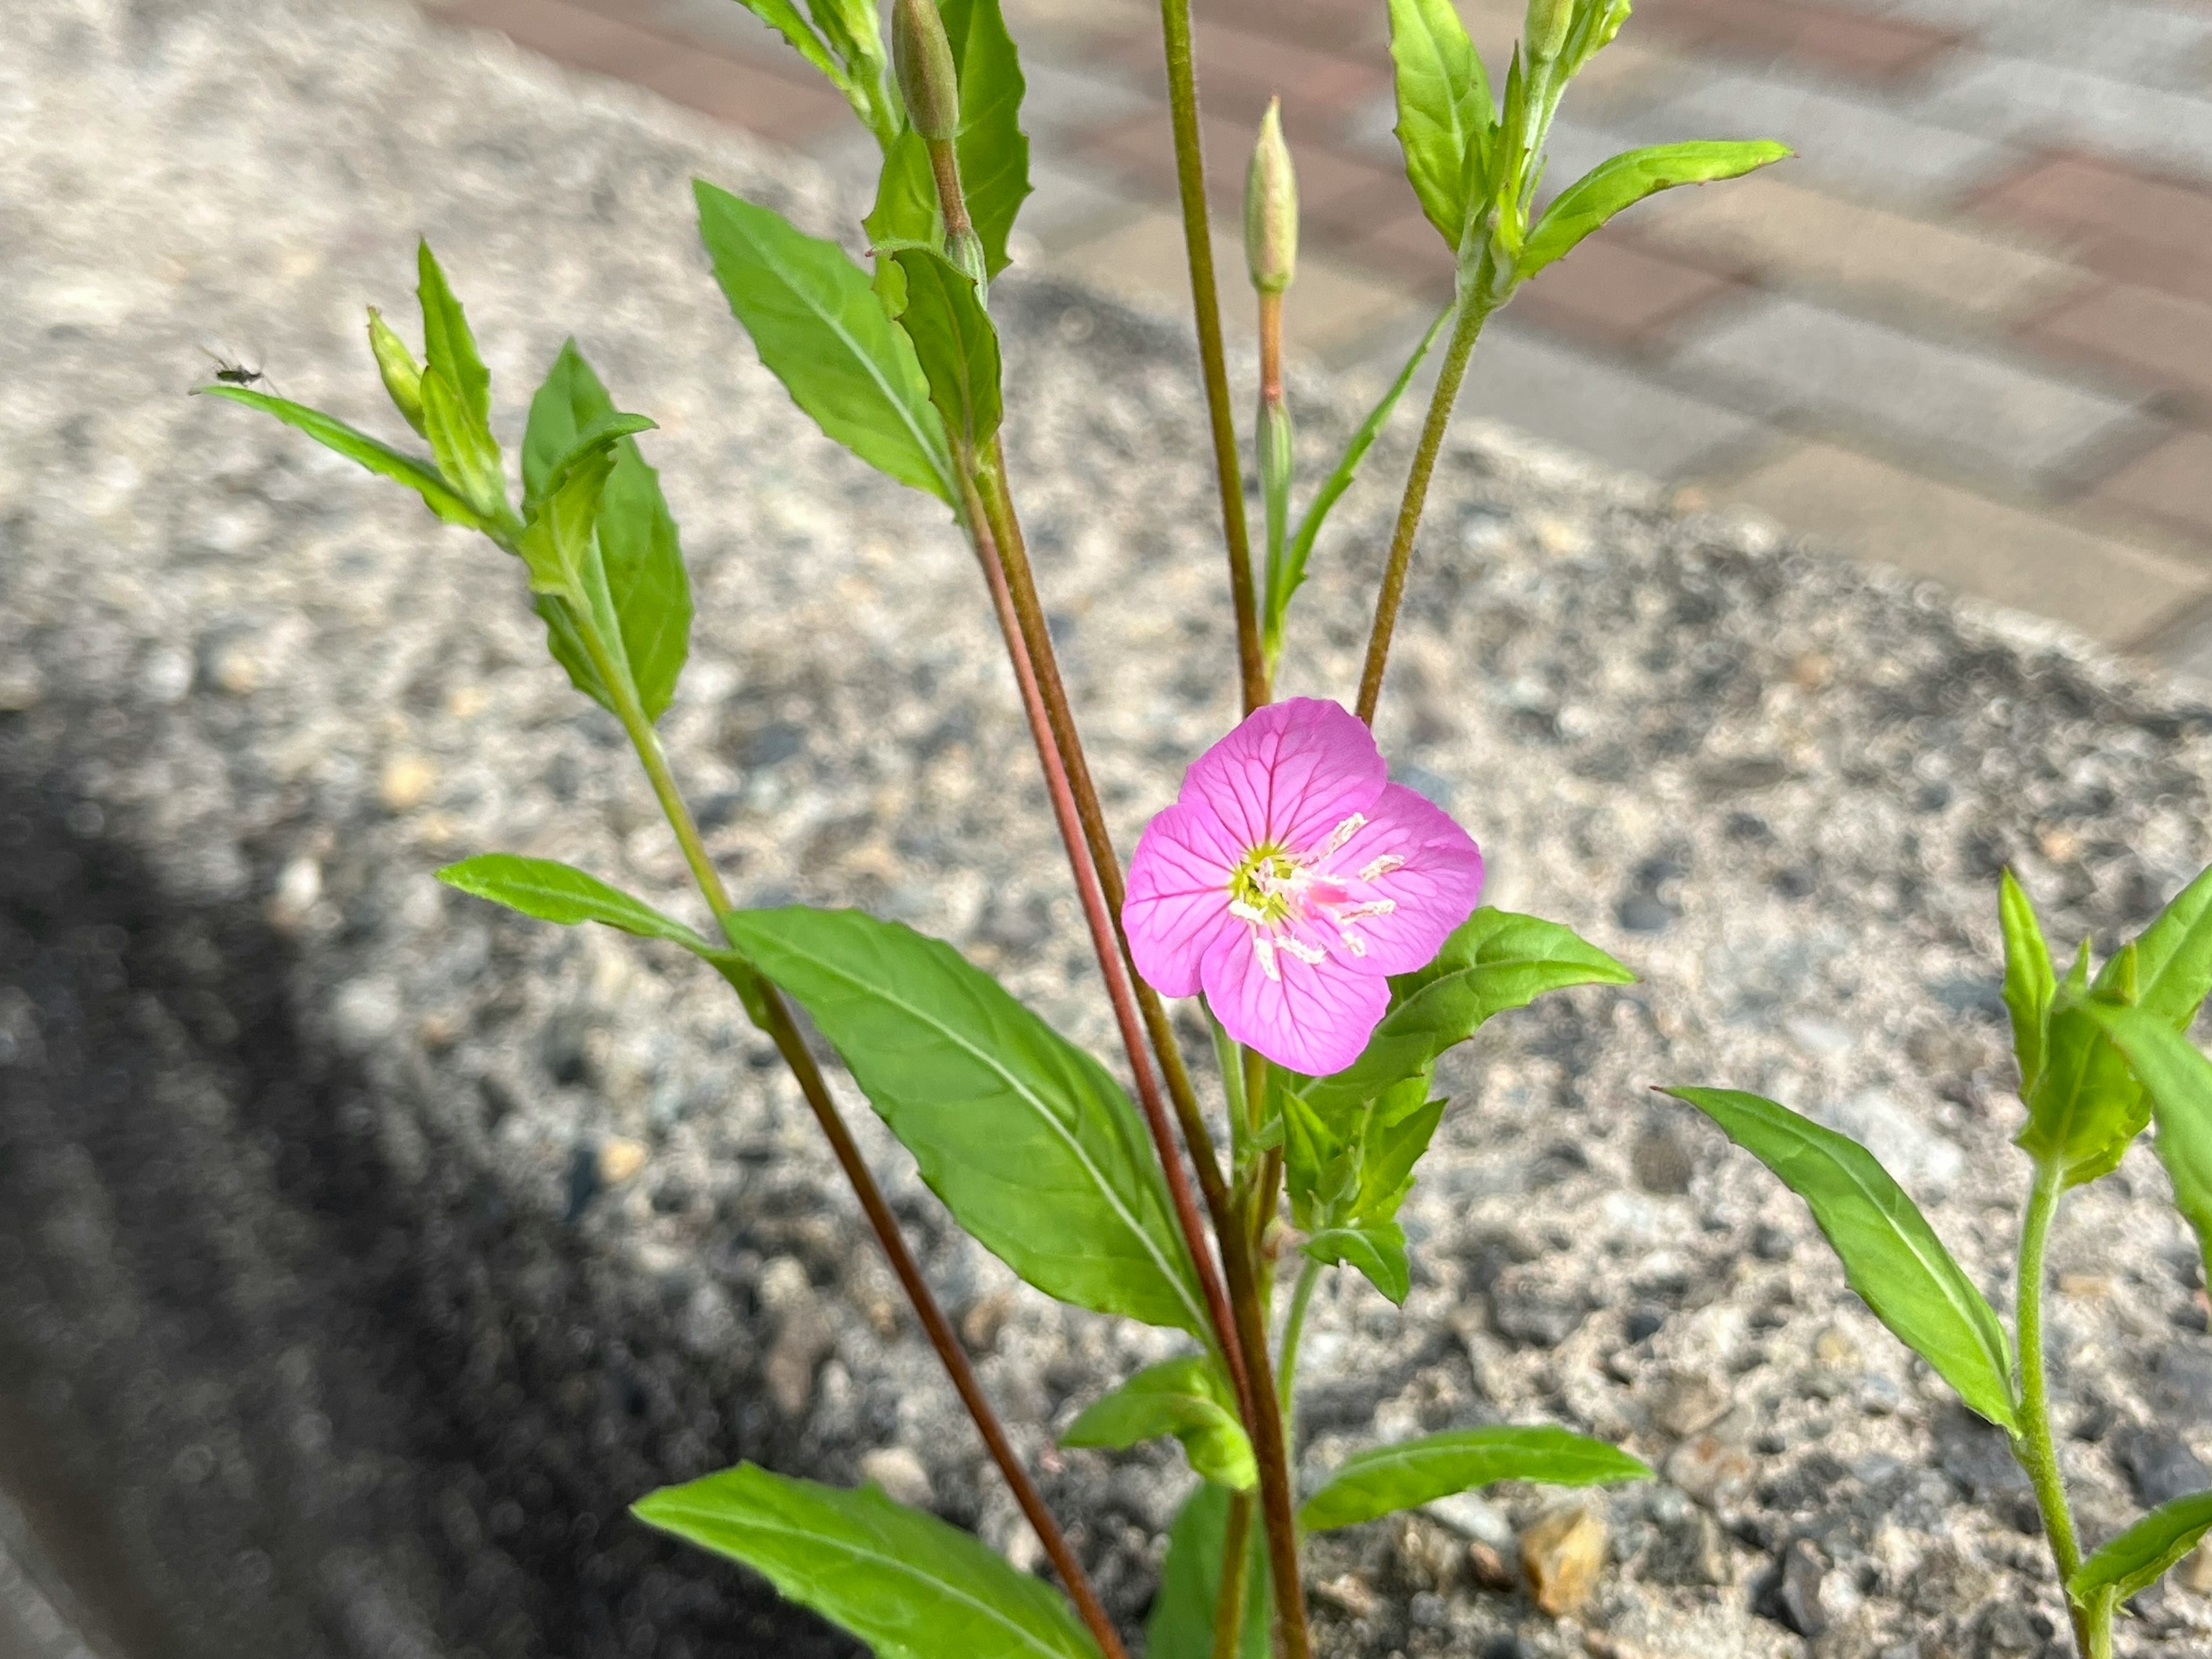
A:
1177	904
1315	1018
1436	889
1290	773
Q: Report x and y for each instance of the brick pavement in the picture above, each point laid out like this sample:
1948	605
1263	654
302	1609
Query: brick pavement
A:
1969	330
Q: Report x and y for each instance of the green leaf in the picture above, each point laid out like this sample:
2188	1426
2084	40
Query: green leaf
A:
957	344
2086	1107
2173	957
2139	1557
377	456
994	156
1377	1248
820	330
640	580
1027	1139
456	391
1184	1397
2030	981
1627	179
2178	1081
553	891
905	1583
1494	961
1445	114
1397	1130
1181	1622
1892	1257
1411	1473
1282	584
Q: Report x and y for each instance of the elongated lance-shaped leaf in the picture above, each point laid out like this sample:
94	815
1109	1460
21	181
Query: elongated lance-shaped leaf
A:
2177	1079
1377	1248
1445	115
2086	1108
553	891
2030	981
1411	1473
1892	1257
1185	1397
1277	455
994	155
2140	1557
1030	1142
449	347
820	330
1627	179
957	344
2173	957
1181	1625
639	558
374	453
1493	960
905	1583
456	391
1299	553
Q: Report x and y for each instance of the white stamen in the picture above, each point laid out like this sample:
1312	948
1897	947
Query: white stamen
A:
1382	868
1264	948
1312	955
1344	913
1343	833
1244	912
1353	943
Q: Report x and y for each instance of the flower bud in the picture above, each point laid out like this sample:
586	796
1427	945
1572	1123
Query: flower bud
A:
403	375
1545	30
923	59
1271	207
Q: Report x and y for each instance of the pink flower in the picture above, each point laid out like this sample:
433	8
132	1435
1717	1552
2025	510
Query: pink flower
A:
1290	878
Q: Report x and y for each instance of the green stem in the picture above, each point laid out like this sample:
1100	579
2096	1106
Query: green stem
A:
2034	1445
1467	329
1206	306
1236	1562
1294	1330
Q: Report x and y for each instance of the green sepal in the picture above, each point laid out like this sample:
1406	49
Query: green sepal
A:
1184	1397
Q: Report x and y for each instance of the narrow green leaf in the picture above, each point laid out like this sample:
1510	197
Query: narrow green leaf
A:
1027	1139
2030	981
1627	179
449	346
397	368
1411	1473
2086	1107
820	330
1377	1248
1892	1257
1445	115
957	344
468	455
1276	444
553	891
905	1583
1399	1127
1181	1622
1184	1397
2140	1557
1494	961
639	555
994	155
2173	957
374	453
2178	1081
1282	586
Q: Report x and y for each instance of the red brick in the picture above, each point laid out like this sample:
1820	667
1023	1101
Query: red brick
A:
571	34
1338	197
1357	26
745	95
2173	484
1406	249
2156	338
1239	71
1611	292
1844	42
2132	226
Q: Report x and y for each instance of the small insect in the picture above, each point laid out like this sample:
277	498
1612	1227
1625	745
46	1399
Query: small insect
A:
231	373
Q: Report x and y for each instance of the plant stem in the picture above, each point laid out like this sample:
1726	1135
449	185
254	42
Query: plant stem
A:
1466	328
1235	1561
1294	1330
1205	307
2034	1445
783	1032
1269	1449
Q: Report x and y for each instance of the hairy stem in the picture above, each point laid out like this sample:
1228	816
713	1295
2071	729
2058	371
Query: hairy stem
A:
1467	329
1235	1561
2034	1445
1294	1330
1206	306
783	1032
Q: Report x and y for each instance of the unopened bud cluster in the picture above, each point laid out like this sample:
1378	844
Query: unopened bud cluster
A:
1271	208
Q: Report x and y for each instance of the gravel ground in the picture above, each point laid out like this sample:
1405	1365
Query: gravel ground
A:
366	1250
